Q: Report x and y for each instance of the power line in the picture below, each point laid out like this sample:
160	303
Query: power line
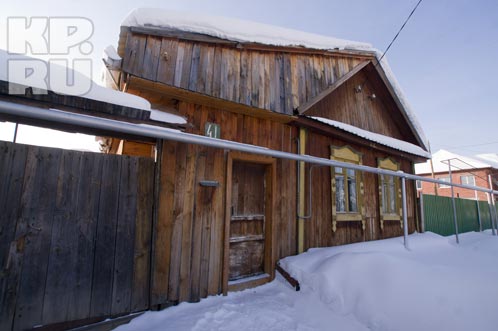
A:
397	34
474	145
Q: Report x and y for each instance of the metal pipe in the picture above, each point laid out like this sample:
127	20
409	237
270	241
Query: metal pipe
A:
310	176
145	130
492	196
15	133
478	211
405	214
453	203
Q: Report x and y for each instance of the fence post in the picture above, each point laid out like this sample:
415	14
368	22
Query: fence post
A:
405	216
478	212
453	202
491	215
492	198
422	212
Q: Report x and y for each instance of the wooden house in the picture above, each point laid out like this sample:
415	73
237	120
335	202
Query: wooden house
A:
225	218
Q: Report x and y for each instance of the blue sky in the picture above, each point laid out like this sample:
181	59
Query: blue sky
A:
444	59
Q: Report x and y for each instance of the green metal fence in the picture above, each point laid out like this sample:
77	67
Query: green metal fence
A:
438	215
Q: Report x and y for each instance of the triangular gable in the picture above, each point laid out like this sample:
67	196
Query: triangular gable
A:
364	98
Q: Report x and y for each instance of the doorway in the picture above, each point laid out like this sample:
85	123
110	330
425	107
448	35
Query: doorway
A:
248	227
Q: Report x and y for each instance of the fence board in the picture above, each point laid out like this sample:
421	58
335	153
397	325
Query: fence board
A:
75	235
42	165
123	260
438	215
106	238
11	248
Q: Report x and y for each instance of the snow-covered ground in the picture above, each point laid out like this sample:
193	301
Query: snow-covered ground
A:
436	285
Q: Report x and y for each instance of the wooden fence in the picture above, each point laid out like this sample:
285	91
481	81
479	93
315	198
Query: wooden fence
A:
75	235
438	215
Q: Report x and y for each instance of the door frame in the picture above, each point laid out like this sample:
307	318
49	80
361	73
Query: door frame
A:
270	180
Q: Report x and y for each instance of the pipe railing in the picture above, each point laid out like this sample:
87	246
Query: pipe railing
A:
59	116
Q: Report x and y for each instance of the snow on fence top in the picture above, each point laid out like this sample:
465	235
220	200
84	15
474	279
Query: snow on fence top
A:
375	137
57	84
247	31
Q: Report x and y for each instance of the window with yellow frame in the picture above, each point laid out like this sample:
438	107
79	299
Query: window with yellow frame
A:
389	193
347	188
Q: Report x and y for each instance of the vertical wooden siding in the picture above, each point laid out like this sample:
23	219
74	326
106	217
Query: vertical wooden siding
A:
75	235
189	231
276	81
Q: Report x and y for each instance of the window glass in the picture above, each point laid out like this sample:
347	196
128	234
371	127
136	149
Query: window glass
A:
353	205
468	180
445	179
340	196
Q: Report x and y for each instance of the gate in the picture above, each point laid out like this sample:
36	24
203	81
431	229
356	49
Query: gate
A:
75	235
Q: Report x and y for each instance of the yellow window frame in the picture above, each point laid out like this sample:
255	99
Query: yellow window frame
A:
349	155
396	214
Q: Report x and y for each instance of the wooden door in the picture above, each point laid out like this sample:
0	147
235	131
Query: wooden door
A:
247	220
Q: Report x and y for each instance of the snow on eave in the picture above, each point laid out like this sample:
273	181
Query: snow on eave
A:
236	29
375	137
95	91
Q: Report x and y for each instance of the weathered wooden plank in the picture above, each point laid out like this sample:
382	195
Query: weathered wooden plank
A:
125	237
257	80
188	206
268	80
86	225
195	68
287	77
309	74
138	54
217	72
130	53
245	78
151	58
217	225
105	240
230	74
295	76
167	61
200	212
36	225
64	242
206	65
183	64
178	215
164	226
143	228
12	165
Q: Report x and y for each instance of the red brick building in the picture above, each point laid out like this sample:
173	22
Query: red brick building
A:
464	170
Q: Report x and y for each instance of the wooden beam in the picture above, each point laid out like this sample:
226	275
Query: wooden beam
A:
177	93
307	105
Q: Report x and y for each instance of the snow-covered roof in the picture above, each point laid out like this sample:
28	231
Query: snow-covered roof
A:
458	162
375	137
95	91
236	29
491	158
252	32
